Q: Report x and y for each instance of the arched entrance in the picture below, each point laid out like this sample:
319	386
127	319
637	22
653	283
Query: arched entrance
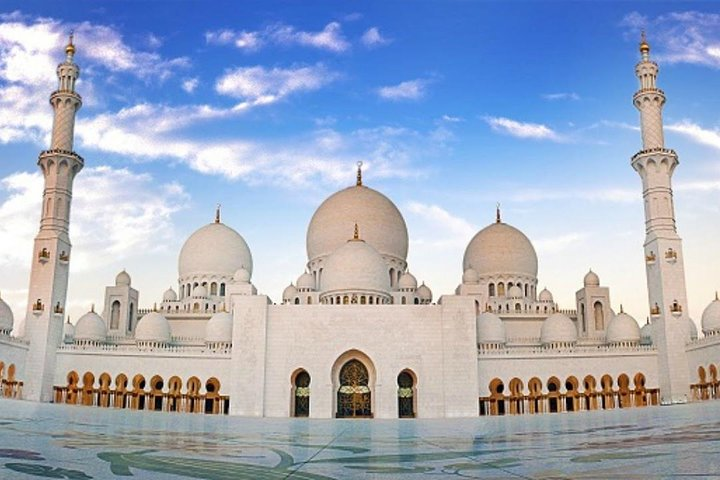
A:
353	395
406	395
301	394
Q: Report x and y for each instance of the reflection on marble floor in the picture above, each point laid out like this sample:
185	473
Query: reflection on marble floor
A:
60	441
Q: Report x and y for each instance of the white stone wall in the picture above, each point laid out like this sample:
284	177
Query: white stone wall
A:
13	352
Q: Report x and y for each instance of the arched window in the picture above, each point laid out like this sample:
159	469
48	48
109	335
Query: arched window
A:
302	394
115	315
501	289
222	289
518	308
526	289
599	316
353	395
346	300
491	290
371	300
417	301
309	300
297	300
213	288
131	316
403	300
406	395
363	300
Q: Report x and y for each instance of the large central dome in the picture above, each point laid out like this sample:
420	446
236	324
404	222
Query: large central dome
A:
382	224
214	249
501	249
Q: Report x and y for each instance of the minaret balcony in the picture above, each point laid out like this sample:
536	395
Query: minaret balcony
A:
38	307
655	311
648	151
670	256
59	151
44	255
58	310
650	258
676	309
64	258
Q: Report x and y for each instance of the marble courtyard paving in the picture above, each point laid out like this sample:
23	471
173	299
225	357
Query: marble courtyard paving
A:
58	441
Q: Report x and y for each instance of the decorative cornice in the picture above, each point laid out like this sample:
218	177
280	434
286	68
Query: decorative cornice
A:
650	151
59	151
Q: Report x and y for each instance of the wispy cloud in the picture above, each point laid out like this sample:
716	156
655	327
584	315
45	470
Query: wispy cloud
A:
329	38
560	96
449	230
558	243
373	38
679	37
696	133
408	90
536	131
190	84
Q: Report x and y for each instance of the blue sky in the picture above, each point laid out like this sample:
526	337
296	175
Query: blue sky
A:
453	106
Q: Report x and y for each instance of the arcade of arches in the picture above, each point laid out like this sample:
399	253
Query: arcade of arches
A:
10	387
568	396
138	394
708	386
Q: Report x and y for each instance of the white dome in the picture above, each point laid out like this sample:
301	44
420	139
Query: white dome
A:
242	275
515	292
306	281
622	328
407	282
710	318
153	327
558	328
6	316
646	334
490	329
545	296
383	227
219	328
471	276
356	266
214	249
692	329
501	249
424	293
200	292
170	295
122	279
68	330
289	293
90	327
591	279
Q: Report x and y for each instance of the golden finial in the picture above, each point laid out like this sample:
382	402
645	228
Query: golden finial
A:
644	46
497	213
716	296
217	213
359	174
70	49
621	308
356	235
92	308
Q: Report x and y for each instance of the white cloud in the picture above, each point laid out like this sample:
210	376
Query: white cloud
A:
559	243
536	131
450	119
696	133
679	37
409	90
561	96
264	86
329	38
190	84
373	38
452	228
116	214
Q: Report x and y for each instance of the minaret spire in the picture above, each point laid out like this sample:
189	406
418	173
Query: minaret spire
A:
51	255
497	213
358	181
217	213
667	295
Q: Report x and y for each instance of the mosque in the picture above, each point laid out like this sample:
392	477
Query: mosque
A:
356	335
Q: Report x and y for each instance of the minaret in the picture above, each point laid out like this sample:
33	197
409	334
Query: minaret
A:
663	247
51	255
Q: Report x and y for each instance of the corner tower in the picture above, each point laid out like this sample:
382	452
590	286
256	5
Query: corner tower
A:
51	254
663	247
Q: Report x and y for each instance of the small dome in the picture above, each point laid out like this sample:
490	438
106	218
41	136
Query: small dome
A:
646	334
6	316
591	279
501	249
90	327
424	293
490	329
382	223
407	282
170	295
692	329
471	276
356	266
219	328
710	318
558	328
200	292
153	327
289	293
214	249
622	328
242	275
515	292
545	296
306	282
122	279
68	330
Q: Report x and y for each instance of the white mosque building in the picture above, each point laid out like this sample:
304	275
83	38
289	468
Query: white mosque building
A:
356	335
